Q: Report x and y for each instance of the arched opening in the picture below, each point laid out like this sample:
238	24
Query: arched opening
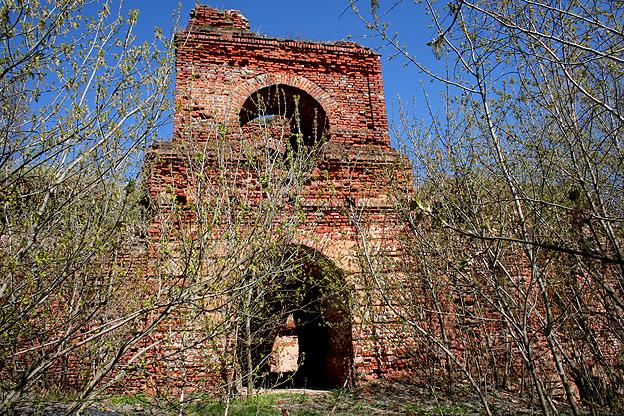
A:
283	108
299	326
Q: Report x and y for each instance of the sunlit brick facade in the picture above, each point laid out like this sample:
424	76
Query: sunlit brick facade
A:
221	65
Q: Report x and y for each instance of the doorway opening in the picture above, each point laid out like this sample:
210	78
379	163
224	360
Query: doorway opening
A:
298	330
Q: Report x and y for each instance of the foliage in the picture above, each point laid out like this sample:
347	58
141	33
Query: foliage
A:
79	102
516	219
103	281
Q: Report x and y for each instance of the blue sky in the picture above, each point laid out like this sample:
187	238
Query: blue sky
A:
324	20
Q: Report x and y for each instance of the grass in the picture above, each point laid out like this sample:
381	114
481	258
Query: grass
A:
130	400
338	403
414	409
379	399
260	405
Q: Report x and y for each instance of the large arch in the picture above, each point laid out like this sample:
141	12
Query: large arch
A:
302	325
292	108
244	90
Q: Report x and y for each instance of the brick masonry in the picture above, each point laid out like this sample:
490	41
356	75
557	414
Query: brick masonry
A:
220	66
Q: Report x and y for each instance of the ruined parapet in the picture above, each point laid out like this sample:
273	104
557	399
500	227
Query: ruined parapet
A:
204	17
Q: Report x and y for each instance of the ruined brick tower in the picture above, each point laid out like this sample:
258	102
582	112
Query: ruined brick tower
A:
235	88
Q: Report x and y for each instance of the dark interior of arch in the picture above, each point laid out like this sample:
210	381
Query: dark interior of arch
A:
308	121
314	296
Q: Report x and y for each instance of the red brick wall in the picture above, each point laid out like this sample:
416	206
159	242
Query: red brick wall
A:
217	70
220	64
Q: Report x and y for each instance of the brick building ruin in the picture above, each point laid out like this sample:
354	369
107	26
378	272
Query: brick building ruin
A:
243	99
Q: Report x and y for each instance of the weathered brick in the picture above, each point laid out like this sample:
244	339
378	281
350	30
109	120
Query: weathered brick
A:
220	66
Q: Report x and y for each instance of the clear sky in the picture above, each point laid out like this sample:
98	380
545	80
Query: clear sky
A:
323	20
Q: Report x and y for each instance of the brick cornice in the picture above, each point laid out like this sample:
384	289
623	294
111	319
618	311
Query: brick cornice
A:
225	37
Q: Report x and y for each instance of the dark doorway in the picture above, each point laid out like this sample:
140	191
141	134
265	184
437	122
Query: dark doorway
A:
301	334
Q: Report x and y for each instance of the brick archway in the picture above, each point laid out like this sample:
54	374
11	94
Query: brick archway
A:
241	93
293	109
302	335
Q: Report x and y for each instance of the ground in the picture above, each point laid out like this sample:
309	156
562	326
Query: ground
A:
378	399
